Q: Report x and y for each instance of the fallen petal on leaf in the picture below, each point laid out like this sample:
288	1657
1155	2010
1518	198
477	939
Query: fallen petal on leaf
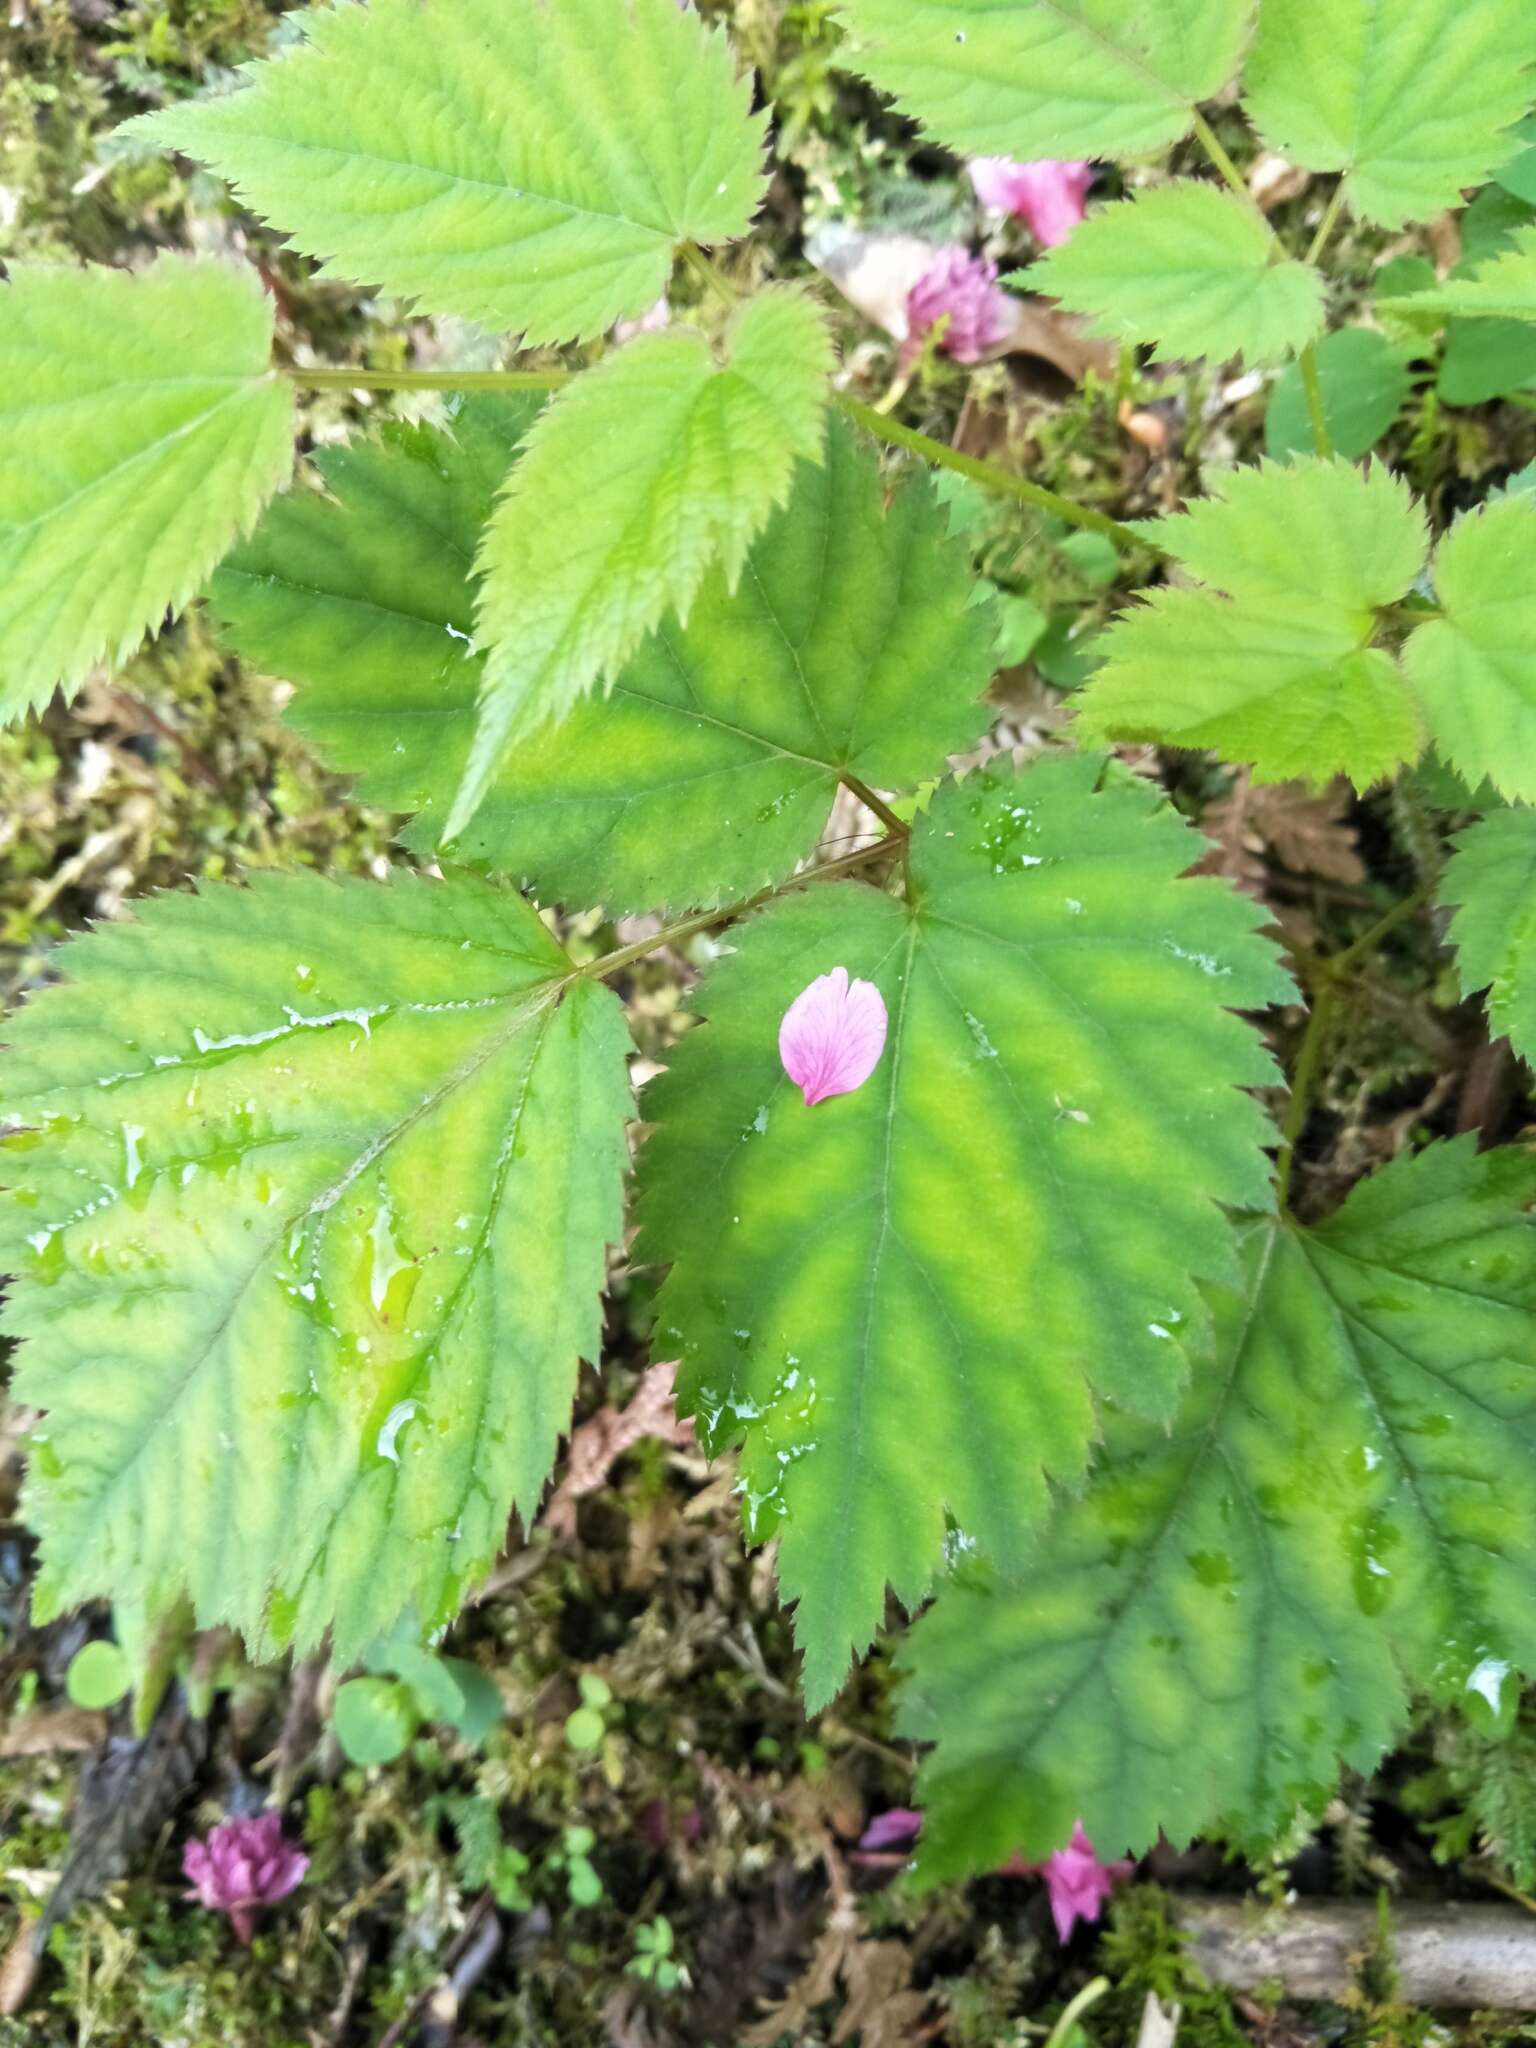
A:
832	1036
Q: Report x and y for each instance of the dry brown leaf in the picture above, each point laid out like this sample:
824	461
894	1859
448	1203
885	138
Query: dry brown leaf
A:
880	2008
65	1728
1311	834
598	1444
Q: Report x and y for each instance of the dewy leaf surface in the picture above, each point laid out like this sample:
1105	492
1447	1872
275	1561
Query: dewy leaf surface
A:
1344	1514
1491	881
527	163
1412	99
1475	668
849	645
141	431
1050	78
309	1209
904	1298
1272	661
639	478
1188	268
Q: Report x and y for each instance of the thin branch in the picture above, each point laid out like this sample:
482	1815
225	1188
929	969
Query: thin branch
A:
428	380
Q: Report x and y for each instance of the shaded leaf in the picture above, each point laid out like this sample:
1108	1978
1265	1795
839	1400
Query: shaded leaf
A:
1490	881
1344	1514
903	1297
1365	384
849	646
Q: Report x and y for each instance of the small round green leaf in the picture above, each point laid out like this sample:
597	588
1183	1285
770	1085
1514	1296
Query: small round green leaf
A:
374	1719
98	1675
585	1728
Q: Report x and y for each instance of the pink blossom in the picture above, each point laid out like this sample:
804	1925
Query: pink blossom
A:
832	1036
965	288
242	1865
1078	1883
1048	197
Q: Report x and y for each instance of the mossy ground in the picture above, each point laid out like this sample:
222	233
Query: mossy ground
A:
712	1803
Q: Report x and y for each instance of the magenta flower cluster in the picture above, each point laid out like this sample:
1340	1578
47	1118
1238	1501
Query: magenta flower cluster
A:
242	1865
1076	1882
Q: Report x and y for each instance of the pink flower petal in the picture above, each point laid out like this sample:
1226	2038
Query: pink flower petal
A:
1075	1880
1048	197
832	1036
963	289
892	1829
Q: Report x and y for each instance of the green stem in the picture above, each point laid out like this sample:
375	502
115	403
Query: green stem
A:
1327	224
429	380
1328	976
1211	143
1302	1084
897	827
709	273
701	920
1312	384
989	475
1089	1996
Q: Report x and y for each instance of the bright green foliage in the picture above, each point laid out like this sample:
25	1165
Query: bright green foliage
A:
140	433
1491	881
1503	289
1050	78
525	164
1475	668
1279	671
1412	100
364	596
848	646
1187	267
1365	383
1345	1513
309	1211
586	554
904	1297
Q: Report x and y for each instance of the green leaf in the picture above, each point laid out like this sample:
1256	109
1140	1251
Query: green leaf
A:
141	431
483	1706
1365	384
98	1675
1050	78
1486	359
640	477
1412	101
374	1719
1502	289
1279	671
1188	268
903	1298
1518	176
1491	882
1475	668
309	1206
849	646
522	164
1344	1514
427	1678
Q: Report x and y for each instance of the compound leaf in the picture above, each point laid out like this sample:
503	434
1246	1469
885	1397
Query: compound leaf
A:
1188	268
1344	1514
1279	671
1475	668
484	157
1491	881
904	1298
141	431
640	477
1412	101
309	1210
849	646
1050	78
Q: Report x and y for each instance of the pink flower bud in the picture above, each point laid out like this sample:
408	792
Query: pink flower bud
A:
242	1865
832	1036
965	288
1048	197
